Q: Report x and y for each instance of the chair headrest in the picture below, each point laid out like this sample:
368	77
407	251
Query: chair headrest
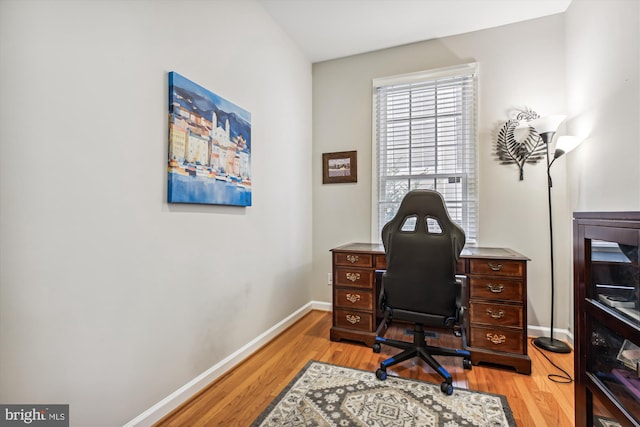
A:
424	204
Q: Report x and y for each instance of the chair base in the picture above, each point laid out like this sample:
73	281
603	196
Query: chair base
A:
419	348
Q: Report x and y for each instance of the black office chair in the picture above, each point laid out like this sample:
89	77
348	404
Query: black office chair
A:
422	246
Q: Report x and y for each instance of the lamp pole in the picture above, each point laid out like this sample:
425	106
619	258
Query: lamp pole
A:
550	343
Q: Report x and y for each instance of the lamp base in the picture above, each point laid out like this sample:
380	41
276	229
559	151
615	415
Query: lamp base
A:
552	344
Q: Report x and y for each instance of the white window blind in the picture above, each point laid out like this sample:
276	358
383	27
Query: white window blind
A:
425	138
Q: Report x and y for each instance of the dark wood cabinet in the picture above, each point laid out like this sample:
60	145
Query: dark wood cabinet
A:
496	300
607	318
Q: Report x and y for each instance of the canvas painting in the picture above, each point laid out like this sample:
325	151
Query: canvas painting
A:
209	147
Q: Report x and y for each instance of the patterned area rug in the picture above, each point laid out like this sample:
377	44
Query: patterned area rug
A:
329	395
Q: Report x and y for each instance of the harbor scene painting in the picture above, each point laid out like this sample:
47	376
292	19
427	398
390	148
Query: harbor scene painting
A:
209	147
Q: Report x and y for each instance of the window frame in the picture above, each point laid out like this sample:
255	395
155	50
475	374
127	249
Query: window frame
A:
417	77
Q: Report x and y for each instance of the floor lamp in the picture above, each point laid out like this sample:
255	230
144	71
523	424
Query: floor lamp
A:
546	128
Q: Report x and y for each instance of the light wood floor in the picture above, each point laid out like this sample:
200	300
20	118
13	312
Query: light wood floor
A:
239	396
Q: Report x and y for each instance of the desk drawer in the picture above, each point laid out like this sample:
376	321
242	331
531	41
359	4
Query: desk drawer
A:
354	277
496	339
495	288
352	319
353	259
496	267
354	299
496	314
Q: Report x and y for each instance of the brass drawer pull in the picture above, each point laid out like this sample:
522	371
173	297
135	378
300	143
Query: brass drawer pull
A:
353	319
494	267
353	298
496	339
353	258
495	288
494	315
353	276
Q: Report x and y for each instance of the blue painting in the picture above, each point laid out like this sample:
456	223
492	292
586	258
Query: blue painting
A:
209	147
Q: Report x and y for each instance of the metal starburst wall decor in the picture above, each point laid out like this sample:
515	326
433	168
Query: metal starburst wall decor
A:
518	143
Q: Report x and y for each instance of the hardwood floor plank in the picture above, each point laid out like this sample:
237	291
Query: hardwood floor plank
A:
239	396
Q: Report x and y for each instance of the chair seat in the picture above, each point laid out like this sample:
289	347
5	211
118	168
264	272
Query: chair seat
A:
425	319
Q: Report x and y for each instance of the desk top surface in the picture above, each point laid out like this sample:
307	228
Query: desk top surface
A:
467	252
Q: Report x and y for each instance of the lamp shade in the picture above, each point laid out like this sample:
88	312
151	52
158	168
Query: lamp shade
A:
547	123
567	143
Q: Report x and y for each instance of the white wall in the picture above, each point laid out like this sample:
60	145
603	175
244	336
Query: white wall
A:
519	65
603	103
110	299
603	97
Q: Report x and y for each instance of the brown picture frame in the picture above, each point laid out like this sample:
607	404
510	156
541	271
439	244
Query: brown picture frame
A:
339	167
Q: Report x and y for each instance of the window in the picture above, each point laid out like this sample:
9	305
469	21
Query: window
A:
425	137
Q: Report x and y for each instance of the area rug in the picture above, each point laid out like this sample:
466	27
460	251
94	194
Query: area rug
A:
329	395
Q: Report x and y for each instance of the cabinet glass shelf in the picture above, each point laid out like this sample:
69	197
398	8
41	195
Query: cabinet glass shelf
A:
614	278
613	365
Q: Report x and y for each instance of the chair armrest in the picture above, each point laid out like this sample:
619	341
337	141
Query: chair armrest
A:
379	289
462	281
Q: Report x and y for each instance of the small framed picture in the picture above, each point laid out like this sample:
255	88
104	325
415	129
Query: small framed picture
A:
340	167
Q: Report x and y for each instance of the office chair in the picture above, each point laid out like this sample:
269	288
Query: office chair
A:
422	246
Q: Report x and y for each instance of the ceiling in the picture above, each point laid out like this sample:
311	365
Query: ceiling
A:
329	29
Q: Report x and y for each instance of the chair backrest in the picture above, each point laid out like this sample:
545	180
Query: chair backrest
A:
422	246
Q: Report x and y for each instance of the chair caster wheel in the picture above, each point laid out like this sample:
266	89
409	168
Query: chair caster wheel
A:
377	347
381	374
466	364
446	388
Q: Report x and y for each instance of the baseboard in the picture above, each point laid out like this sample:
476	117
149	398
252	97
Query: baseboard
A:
184	393
561	334
322	306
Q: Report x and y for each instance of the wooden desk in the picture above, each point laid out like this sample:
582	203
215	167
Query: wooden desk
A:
495	298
